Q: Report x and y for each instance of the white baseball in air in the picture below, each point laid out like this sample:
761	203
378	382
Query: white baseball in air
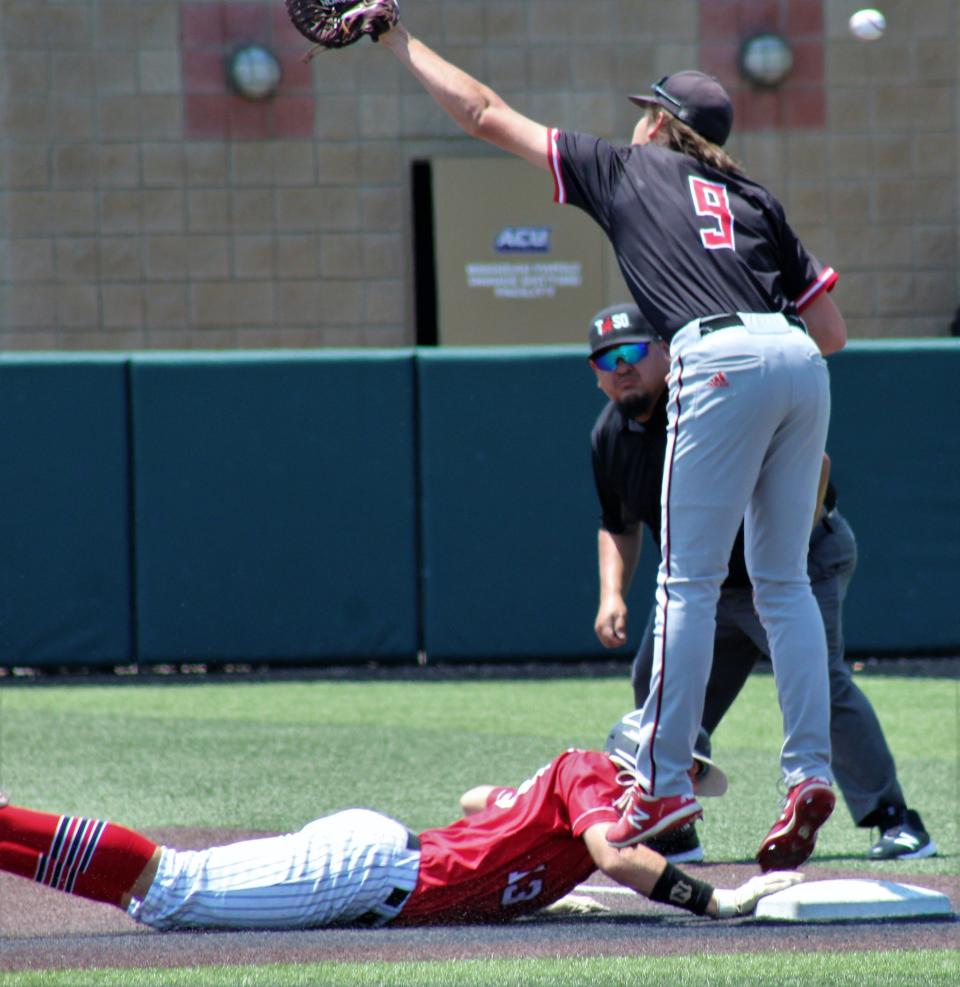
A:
868	24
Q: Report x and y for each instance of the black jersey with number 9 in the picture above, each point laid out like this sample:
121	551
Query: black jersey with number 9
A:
690	240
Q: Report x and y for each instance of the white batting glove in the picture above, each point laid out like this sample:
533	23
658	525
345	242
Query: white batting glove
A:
743	900
574	904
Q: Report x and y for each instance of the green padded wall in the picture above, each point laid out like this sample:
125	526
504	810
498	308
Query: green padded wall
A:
277	497
275	506
64	521
509	515
895	448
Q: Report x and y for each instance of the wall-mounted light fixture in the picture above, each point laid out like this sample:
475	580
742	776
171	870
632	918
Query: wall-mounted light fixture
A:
253	71
765	59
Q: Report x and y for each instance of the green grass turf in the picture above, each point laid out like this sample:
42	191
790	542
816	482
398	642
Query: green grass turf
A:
930	968
272	756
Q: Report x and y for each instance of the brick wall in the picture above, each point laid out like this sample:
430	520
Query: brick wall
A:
143	205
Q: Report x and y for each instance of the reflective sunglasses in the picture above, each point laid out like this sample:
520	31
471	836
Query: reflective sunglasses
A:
628	352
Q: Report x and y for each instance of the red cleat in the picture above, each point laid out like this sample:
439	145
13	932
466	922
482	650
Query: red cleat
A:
645	816
794	835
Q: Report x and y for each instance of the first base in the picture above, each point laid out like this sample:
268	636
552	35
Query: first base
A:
852	898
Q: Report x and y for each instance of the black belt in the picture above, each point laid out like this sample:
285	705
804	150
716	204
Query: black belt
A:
729	320
397	896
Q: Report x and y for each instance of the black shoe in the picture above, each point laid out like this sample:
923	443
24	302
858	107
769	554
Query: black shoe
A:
903	838
679	846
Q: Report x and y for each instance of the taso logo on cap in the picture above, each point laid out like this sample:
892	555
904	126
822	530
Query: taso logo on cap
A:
618	320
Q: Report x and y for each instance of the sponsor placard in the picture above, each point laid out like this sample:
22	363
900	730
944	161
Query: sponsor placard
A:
512	266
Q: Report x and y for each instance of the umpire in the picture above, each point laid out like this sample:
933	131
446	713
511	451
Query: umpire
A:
628	442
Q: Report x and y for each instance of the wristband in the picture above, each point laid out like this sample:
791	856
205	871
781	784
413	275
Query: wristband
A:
676	888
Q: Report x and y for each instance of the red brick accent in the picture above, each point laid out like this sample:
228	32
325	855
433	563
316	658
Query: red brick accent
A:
201	25
293	115
804	109
285	35
203	71
208	34
719	20
245	22
720	60
758	15
808	64
297	74
248	120
205	115
804	18
761	110
800	103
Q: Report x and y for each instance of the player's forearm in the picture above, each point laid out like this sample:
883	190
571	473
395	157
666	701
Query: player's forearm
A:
643	870
475	107
649	874
464	98
656	878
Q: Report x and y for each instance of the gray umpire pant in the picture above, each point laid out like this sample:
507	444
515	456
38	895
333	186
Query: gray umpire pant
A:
862	763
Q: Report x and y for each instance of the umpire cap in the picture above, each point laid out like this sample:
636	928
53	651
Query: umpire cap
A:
695	99
619	324
624	739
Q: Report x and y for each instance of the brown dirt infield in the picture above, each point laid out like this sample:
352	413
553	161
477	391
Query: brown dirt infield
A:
41	929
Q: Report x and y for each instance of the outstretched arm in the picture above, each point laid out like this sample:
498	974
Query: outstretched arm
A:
644	870
476	108
635	867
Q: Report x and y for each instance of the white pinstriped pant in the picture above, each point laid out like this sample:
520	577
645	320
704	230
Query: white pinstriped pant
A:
747	424
332	872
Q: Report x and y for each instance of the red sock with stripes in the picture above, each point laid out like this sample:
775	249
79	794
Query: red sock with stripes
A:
86	857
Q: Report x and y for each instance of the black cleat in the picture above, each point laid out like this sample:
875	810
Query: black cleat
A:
903	839
680	846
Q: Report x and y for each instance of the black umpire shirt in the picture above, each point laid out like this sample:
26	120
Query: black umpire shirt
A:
628	472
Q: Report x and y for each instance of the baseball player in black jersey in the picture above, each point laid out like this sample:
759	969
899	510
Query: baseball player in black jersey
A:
710	260
627	446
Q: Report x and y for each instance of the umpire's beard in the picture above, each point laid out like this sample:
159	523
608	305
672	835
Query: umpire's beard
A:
636	406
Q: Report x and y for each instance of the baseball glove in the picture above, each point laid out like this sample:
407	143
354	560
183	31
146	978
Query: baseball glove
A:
339	23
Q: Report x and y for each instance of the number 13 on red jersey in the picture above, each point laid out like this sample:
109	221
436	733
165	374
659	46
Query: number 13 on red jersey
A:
711	199
522	886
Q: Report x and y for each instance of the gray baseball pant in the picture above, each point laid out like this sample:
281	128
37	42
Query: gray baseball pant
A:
747	421
862	763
